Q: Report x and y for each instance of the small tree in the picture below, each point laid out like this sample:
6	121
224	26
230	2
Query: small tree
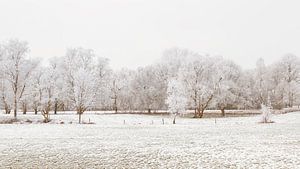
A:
176	99
266	114
84	91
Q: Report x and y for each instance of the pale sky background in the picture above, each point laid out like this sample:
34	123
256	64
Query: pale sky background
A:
134	33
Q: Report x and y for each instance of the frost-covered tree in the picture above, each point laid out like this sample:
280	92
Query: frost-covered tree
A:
261	82
290	71
50	83
285	81
55	76
6	94
266	114
199	81
245	90
84	91
121	94
17	68
176	99
103	77
79	74
45	86
36	89
47	97
226	94
148	89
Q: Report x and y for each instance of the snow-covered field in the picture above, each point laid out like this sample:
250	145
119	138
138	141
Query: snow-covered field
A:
143	142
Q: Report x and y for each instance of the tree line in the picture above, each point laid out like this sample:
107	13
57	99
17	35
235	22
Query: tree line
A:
81	80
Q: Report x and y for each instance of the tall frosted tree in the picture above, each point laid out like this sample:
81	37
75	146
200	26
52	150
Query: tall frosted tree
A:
120	87
290	69
198	79
79	72
148	88
103	75
285	81
176	99
36	89
261	82
84	94
227	75
17	68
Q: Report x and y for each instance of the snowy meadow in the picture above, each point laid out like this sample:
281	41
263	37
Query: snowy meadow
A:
158	84
144	142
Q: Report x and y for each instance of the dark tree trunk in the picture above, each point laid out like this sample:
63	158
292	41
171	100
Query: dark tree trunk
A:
15	108
46	115
201	112
63	107
115	105
174	120
24	107
35	110
201	107
55	107
198	113
7	109
195	113
223	112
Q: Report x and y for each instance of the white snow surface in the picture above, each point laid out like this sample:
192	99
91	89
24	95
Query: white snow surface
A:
143	142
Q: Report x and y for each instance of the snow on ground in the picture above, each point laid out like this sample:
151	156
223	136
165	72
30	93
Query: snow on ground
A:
236	142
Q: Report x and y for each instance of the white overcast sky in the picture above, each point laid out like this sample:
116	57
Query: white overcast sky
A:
134	33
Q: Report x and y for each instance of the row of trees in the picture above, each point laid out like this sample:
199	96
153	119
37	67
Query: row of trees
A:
82	81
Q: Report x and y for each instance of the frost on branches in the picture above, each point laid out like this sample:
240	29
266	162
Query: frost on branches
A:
79	72
176	99
16	68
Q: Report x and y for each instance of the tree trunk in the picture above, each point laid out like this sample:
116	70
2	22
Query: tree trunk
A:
201	107
195	113
174	120
79	117
15	107
7	109
201	112
35	110
115	105
55	107
198	113
24	107
46	116
223	112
